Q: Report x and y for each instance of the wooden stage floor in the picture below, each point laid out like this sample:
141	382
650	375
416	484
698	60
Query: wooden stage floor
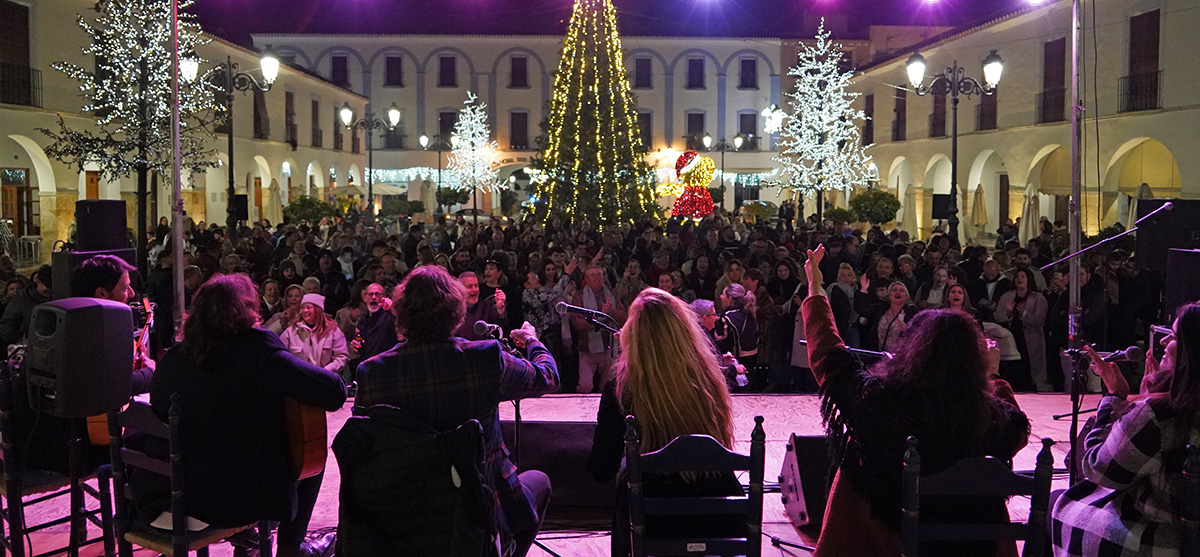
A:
784	414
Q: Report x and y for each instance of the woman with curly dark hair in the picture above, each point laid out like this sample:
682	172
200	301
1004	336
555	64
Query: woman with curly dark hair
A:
703	277
940	387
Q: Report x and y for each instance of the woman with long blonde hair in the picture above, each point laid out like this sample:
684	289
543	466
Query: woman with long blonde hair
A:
669	378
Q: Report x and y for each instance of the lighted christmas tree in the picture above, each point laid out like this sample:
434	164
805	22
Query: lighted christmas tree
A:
474	151
591	158
820	146
129	92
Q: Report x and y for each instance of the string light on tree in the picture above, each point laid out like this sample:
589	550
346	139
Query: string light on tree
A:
474	152
820	143
129	89
592	160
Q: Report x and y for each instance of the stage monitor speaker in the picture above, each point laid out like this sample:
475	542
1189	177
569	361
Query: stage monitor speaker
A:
79	357
941	206
561	449
1183	287
1178	228
63	262
241	206
100	225
804	479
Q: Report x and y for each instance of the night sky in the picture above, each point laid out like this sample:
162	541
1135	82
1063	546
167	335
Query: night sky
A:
237	19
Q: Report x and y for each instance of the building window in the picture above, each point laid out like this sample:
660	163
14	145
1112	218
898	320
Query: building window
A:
318	136
1140	89
642	76
1052	101
446	121
868	130
986	111
695	73
646	129
262	122
519	76
743	192
748	125
447	71
338	138
518	131
20	201
900	116
291	135
695	131
393	74
19	84
394	138
339	73
748	77
937	118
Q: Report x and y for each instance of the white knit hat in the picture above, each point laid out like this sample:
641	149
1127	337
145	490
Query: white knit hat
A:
314	299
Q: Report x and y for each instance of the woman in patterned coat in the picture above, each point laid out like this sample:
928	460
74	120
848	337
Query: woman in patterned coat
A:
1134	454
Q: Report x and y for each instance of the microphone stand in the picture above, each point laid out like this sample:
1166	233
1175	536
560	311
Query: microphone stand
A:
1078	359
508	346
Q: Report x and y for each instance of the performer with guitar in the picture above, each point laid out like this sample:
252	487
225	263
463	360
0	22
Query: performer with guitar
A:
233	380
107	277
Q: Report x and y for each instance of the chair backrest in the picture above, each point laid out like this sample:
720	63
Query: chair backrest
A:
138	419
697	454
408	489
975	477
1189	505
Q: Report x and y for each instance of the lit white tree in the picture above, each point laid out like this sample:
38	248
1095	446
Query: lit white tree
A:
474	151
820	144
129	92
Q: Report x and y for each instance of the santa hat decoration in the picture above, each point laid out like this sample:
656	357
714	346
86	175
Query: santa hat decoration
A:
686	162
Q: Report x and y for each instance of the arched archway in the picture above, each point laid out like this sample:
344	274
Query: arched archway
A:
1050	174
1143	161
899	177
30	172
289	185
314	181
990	172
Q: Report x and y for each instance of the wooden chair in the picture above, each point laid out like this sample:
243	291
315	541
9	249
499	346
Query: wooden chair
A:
978	477
18	482
700	454
139	419
1189	505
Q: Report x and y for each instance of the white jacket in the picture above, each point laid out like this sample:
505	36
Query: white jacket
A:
329	352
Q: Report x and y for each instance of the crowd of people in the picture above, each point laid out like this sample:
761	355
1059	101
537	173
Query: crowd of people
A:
704	310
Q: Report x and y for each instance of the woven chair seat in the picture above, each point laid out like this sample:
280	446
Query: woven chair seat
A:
160	541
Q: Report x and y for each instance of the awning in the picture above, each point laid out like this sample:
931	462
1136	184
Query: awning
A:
377	189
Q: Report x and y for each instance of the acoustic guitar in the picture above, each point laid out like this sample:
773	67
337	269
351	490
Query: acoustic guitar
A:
97	426
307	438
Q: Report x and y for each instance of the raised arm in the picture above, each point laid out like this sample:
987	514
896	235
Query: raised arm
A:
820	330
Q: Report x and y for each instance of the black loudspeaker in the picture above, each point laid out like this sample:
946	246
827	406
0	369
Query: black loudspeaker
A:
63	262
1178	228
561	449
100	225
804	479
1183	286
941	206
79	357
241	206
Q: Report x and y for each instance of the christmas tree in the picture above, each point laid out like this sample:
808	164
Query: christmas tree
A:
591	159
474	151
129	92
820	144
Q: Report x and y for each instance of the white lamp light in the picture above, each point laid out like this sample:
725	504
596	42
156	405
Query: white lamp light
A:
189	67
916	70
707	141
423	140
993	68
347	115
394	115
270	65
737	141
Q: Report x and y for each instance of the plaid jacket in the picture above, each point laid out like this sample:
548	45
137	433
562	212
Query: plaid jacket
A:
447	383
1123	506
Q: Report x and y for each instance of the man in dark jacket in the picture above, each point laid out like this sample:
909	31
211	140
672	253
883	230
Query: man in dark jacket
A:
333	282
376	330
986	290
14	325
443	381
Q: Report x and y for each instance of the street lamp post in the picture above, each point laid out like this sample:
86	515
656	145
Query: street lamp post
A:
439	144
230	79
723	146
370	124
955	82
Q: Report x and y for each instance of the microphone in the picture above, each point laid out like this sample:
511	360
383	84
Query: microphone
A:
1168	206
483	328
1131	354
564	308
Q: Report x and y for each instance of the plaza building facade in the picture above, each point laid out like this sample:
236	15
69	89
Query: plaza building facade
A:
1142	113
272	164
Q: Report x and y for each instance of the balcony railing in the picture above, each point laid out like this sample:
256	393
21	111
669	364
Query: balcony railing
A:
339	140
1050	106
518	145
937	124
394	141
292	134
693	142
1140	91
20	85
899	130
355	144
985	117
318	138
